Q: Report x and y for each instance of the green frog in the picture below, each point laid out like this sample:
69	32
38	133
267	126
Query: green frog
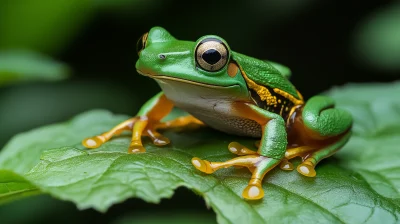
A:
235	94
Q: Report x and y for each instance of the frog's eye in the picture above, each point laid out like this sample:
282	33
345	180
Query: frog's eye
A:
212	54
141	44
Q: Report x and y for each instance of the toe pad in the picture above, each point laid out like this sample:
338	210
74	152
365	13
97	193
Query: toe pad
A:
136	149
253	192
202	165
93	142
286	165
306	170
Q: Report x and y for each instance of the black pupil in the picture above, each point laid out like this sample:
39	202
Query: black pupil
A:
211	56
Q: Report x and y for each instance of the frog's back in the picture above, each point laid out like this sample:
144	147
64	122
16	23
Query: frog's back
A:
265	74
269	89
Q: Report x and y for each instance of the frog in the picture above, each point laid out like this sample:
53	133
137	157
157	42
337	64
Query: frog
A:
235	94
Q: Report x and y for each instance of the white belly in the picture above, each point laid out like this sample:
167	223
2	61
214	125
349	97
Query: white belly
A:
210	105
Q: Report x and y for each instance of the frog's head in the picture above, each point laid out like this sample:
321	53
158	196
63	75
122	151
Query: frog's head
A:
206	62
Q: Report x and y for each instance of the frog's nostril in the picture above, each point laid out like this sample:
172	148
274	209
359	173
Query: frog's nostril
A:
162	56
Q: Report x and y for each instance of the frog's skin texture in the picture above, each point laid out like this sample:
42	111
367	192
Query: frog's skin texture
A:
236	94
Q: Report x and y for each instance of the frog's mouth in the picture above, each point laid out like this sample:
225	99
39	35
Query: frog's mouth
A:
164	77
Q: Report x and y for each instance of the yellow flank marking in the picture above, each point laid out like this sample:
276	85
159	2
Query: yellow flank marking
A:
262	91
281	110
289	97
287	108
298	93
279	101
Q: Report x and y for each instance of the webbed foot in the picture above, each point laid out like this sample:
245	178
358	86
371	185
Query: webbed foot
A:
311	156
97	141
141	126
257	164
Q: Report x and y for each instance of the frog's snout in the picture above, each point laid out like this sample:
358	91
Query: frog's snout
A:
149	60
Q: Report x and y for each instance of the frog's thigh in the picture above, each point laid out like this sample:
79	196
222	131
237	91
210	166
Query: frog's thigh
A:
320	116
324	121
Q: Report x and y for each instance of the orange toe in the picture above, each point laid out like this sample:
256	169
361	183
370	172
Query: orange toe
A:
93	142
202	165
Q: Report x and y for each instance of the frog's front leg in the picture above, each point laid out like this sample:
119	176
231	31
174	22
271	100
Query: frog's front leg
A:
146	123
270	152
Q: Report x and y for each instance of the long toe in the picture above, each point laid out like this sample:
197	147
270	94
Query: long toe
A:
202	165
306	170
93	142
253	192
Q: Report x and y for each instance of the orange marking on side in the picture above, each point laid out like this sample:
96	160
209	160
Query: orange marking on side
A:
232	69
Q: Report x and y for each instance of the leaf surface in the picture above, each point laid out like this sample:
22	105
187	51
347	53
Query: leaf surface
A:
13	186
360	184
17	66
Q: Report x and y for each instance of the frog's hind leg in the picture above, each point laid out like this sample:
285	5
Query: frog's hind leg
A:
258	165
307	167
292	153
322	123
323	120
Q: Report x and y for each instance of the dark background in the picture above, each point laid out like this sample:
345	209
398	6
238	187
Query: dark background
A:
325	43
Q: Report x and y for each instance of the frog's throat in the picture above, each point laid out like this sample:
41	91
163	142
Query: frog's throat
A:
183	80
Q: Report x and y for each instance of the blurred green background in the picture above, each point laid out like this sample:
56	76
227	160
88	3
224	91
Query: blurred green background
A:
60	58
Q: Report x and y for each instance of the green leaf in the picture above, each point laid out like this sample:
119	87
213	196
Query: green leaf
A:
24	150
13	186
359	184
17	66
167	217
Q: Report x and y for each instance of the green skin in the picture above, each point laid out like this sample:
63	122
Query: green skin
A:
178	62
